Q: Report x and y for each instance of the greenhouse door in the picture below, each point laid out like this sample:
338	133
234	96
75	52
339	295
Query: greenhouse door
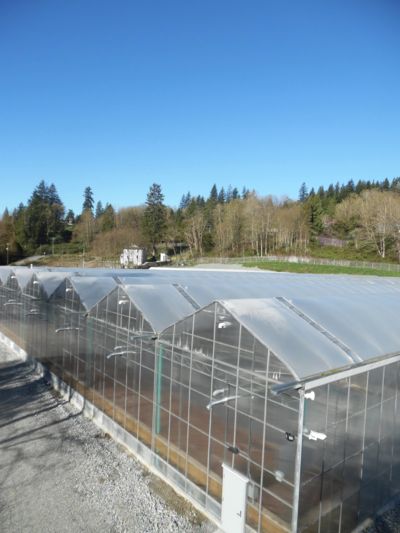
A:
234	495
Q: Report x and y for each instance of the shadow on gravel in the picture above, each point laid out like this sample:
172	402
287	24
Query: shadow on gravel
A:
39	428
20	388
20	400
9	370
28	433
24	417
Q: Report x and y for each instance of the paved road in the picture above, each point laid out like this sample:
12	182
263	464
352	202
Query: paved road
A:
28	260
60	473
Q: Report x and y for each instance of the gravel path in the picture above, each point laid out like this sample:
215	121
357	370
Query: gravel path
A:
60	473
388	522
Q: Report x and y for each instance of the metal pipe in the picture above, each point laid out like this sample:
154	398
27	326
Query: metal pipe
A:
70	328
217	392
222	400
144	336
115	354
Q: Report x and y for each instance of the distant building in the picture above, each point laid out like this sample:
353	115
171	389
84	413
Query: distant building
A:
134	256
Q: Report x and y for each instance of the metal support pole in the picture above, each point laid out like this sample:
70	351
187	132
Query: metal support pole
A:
297	471
159	362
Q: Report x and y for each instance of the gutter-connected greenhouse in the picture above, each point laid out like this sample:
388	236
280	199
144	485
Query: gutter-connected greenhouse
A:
279	388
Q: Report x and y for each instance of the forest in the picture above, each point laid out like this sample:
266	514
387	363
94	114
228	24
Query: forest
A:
351	220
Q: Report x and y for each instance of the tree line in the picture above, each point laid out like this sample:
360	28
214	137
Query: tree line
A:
360	219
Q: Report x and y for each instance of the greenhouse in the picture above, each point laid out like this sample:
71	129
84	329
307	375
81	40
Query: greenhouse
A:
269	399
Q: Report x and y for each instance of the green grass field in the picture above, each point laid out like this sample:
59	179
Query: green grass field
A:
304	268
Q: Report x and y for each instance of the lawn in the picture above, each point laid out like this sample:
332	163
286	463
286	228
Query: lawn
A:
304	268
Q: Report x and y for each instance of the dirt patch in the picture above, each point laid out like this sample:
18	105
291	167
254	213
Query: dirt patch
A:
175	501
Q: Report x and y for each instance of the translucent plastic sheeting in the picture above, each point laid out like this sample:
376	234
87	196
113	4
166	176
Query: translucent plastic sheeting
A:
23	276
161	305
4	273
92	289
303	349
368	324
280	281
204	286
49	281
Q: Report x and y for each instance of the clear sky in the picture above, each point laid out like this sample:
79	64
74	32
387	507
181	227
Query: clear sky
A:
118	94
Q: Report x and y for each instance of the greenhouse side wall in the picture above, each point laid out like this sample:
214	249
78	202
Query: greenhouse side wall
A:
356	469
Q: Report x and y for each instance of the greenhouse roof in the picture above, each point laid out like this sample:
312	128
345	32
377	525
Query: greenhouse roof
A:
314	323
161	305
203	287
317	335
4	273
92	289
49	281
23	275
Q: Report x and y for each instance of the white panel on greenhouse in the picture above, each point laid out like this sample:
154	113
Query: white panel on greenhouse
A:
234	495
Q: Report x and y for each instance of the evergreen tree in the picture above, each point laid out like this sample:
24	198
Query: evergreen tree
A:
155	217
53	197
314	213
185	201
360	186
88	200
350	188
213	194
235	194
44	216
221	196
70	218
99	210
330	193
245	193
108	218
19	216
303	192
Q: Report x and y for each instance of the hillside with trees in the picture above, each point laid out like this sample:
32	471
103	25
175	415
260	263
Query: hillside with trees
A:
352	220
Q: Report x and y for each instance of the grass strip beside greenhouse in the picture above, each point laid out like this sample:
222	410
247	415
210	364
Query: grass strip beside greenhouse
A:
304	268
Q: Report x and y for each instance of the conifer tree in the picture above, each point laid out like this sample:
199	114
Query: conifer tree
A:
155	217
303	193
88	200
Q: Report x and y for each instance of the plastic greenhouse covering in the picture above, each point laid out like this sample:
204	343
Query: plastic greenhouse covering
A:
291	380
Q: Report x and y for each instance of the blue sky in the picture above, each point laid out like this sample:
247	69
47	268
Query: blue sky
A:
120	94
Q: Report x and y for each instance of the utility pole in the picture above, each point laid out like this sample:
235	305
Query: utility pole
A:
7	252
52	245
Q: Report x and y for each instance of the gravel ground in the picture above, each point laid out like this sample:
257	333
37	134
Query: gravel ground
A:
388	522
60	473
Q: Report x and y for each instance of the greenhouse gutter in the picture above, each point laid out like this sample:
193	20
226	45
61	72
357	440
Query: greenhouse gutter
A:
335	375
